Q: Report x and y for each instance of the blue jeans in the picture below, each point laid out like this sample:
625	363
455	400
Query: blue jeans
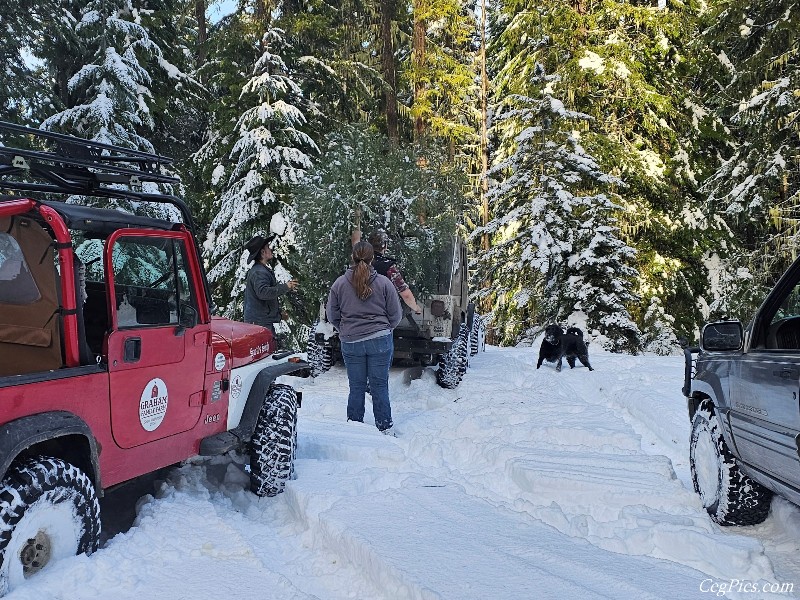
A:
371	360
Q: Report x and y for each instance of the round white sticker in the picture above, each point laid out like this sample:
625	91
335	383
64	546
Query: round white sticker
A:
219	361
153	405
236	387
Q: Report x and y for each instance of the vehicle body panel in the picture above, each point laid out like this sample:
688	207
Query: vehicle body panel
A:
756	390
249	342
150	390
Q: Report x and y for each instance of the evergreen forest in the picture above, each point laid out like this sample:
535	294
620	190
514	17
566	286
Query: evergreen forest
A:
631	166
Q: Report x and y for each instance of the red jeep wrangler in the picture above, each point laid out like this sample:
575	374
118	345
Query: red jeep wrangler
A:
111	363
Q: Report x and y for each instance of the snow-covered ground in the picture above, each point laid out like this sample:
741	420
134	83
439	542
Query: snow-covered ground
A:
519	484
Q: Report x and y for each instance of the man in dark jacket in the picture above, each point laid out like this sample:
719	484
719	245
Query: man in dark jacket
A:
387	266
261	288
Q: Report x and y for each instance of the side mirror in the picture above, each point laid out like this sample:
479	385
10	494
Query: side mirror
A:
188	316
723	336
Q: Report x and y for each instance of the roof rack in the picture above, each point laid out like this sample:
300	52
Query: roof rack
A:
81	167
76	165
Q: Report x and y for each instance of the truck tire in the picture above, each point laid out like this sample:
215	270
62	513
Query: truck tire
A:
274	442
729	496
478	338
48	511
320	356
453	365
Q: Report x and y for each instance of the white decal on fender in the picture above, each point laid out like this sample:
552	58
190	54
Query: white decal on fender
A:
153	404
236	387
219	361
260	349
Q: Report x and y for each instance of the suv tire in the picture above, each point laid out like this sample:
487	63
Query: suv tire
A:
453	365
477	339
48	511
729	496
320	356
274	442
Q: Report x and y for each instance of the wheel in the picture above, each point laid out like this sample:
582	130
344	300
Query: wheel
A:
453	365
729	496
478	338
274	442
48	511
470	323
320	356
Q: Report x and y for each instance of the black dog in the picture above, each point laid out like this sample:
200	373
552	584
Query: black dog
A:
573	347
558	345
550	350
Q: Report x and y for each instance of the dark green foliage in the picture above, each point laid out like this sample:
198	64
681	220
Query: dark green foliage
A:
629	66
752	64
359	179
555	215
24	93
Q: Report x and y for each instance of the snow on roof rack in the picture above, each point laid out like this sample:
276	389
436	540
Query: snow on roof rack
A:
76	165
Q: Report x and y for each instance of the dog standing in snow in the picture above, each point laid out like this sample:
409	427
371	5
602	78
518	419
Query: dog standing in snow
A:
558	345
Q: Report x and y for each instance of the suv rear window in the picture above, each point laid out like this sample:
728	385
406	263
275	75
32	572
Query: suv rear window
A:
17	285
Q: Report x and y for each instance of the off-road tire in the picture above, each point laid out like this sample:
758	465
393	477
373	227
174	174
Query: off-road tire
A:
48	511
320	356
729	496
274	442
453	364
477	340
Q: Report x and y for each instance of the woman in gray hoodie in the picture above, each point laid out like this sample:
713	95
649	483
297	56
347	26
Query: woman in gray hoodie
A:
364	308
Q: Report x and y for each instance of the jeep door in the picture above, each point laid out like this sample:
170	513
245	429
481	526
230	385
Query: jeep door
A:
156	347
765	387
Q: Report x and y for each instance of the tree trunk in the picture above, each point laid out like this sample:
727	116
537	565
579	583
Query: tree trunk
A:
484	132
389	72
418	59
263	17
202	34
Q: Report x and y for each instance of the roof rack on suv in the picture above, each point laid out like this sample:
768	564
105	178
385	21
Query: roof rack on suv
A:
81	167
77	166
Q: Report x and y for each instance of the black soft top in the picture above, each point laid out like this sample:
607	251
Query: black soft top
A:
104	220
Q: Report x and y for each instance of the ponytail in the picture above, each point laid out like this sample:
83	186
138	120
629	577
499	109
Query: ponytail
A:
362	259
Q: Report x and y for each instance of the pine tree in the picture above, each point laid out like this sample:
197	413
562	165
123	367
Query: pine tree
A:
332	50
179	104
555	254
111	93
624	64
658	336
232	48
23	90
362	182
753	69
441	70
269	155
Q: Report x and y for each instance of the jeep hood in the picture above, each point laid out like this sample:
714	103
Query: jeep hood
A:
248	343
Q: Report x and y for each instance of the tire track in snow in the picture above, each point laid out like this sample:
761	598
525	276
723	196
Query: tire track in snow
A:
568	472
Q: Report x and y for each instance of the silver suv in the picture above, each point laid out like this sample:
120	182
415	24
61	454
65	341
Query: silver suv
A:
743	388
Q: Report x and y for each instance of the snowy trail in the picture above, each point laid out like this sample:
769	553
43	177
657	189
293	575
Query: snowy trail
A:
575	459
520	484
408	531
574	465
